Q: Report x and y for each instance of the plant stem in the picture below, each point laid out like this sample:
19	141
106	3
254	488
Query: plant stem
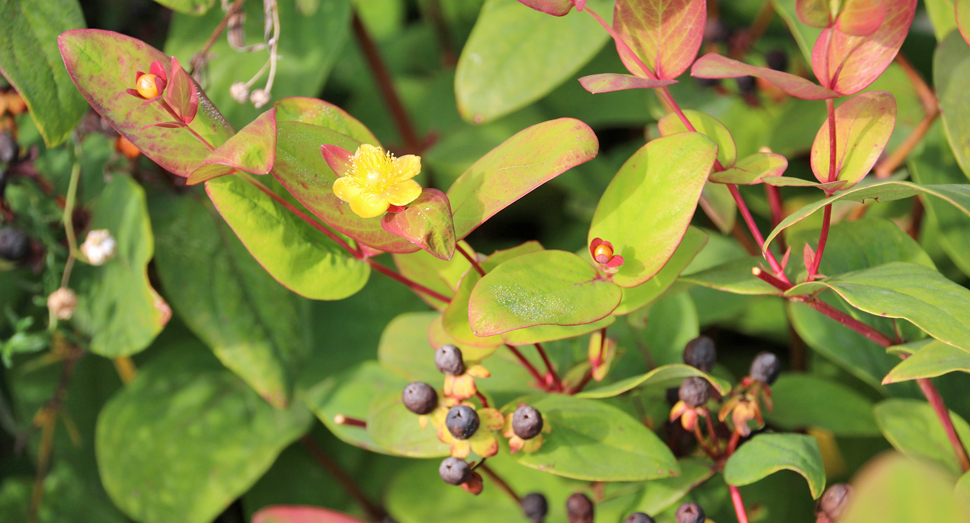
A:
886	167
551	371
579	387
126	369
822	239
68	216
777	207
753	227
481	398
448	56
501	483
385	84
340	419
733	443
200	58
621	43
710	428
933	396
700	441
850	322
411	284
830	106
471	259
738	504
374	512
528	366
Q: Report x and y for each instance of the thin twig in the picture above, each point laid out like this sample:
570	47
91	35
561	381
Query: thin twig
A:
738	504
501	483
887	167
471	259
528	366
199	58
126	369
341	419
850	322
933	396
374	512
449	58
551	371
411	284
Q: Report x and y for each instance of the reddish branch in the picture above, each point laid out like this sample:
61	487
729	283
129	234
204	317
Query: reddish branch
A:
551	371
933	396
500	483
374	512
411	284
528	366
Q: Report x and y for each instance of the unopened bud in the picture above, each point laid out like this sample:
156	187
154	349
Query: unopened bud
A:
62	303
98	247
260	97
239	92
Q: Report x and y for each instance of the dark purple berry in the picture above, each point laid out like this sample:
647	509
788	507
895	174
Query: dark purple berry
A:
835	500
535	506
716	31
700	353
745	84
8	148
526	422
448	360
454	471
690	513
14	245
765	367
462	421
579	508
638	517
777	59
419	398
694	391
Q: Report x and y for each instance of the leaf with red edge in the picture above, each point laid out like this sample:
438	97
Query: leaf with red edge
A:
713	65
301	514
552	7
861	17
664	34
752	169
815	13
180	93
508	172
339	160
103	64
609	82
863	126
324	114
302	169
253	149
848	64
426	223
962	8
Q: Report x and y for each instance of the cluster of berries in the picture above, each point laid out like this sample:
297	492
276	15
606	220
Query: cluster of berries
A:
579	509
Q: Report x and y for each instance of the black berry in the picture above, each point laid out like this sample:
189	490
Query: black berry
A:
694	391
8	148
14	245
454	471
579	508
690	513
462	421
765	367
448	360
777	59
700	353
638	517
526	422
835	500
535	507
745	84
419	398
716	31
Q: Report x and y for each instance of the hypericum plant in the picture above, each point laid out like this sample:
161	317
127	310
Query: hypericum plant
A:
585	365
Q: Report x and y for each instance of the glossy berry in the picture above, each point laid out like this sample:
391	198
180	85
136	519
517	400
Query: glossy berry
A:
449	361
454	471
777	59
765	367
14	245
716	31
579	508
462	421
835	499
535	506
419	398
638	517
603	253
526	422
745	84
146	86
694	391
700	353
8	148
690	513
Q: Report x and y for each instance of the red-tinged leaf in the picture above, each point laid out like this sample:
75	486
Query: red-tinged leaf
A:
338	159
525	161
426	223
808	257
301	514
165	125
323	114
713	65
861	17
815	13
253	149
727	150
752	169
609	82
103	64
159	71
664	34
302	169
180	93
863	126
552	7
848	64
962	9
786	181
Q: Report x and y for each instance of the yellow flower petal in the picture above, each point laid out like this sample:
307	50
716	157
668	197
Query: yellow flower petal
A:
491	419
347	189
405	168
484	443
403	193
460	448
478	371
369	205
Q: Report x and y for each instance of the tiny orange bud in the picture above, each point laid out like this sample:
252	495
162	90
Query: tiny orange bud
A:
146	86
125	147
603	253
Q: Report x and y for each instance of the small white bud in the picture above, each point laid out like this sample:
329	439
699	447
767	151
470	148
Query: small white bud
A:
61	303
239	92
98	247
260	97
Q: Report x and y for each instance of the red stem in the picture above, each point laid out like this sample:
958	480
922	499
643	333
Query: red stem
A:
528	366
850	322
481	398
733	443
830	105
710	428
586	378
413	285
823	237
753	227
374	512
500	483
549	368
777	208
933	396
471	259
340	419
620	42
738	504
770	279
703	444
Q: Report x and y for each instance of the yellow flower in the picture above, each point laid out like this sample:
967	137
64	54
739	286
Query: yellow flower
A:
688	415
525	445
373	180
462	386
483	442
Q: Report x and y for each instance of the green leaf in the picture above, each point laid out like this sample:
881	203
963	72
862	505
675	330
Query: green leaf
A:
301	258
805	35
962	490
719	205
544	333
405	350
942	15
514	56
456	320
752	169
933	359
660	494
957	195
227	438
427	223
351	393
734	277
310	45
542	288
667	376
913	429
646	293
395	428
525	161
766	454
593	441
67	498
963	19
951	71
30	61
863	126
104	64
727	151
252	323
804	401
905	290
253	149
190	7
647	207
664	34
117	305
